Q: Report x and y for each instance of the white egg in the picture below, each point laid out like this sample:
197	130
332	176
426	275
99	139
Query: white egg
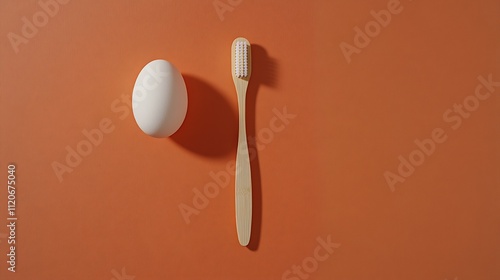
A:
159	99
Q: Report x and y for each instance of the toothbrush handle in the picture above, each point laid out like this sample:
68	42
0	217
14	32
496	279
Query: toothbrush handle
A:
243	185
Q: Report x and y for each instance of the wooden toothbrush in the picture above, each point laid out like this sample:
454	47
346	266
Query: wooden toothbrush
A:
241	69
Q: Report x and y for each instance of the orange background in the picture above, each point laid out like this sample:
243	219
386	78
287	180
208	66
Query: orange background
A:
322	175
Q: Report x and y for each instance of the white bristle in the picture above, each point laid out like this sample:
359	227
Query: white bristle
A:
241	59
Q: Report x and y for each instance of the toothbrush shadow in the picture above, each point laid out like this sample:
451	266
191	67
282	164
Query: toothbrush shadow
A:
264	72
210	124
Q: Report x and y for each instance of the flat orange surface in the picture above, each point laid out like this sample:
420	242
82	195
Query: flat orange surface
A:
375	128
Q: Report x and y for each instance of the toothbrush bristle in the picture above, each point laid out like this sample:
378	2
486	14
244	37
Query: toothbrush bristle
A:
241	59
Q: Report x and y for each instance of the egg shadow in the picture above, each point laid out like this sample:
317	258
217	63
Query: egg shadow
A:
265	71
211	125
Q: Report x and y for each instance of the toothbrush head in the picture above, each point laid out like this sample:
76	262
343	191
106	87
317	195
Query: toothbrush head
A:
241	59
